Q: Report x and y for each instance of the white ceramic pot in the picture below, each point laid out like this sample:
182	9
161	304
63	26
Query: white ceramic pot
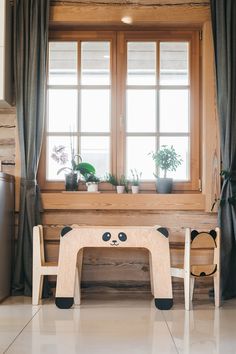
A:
135	189
120	189
92	187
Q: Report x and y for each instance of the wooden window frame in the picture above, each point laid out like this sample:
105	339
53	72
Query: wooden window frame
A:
118	70
193	38
79	37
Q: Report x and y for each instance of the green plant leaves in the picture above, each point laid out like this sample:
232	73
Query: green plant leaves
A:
85	168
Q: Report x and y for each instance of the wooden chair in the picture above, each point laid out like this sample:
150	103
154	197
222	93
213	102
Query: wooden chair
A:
42	268
195	240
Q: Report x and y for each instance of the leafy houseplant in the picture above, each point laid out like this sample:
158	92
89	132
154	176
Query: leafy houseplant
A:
77	166
121	184
166	159
135	182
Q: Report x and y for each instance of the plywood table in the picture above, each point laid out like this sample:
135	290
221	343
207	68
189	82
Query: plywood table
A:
154	239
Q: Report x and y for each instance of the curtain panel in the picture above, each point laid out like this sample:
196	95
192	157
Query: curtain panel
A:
224	36
31	19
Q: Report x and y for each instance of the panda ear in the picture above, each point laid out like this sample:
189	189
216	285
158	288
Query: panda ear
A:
213	234
163	231
65	230
194	233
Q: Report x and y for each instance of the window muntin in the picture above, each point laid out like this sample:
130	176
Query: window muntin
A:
157	75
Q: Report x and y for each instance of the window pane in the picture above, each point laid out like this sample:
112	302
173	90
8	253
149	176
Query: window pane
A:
181	145
54	142
141	110
174	66
174	111
95	110
137	150
62	110
96	150
62	63
141	63
95	62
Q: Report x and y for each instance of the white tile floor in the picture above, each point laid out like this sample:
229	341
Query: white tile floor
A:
112	325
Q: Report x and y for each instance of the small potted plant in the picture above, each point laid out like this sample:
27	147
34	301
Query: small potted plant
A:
91	182
166	159
135	182
121	184
60	155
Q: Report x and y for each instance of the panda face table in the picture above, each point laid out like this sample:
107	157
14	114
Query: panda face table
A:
154	239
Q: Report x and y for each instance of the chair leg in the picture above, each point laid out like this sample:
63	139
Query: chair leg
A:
217	289
192	281
37	288
187	294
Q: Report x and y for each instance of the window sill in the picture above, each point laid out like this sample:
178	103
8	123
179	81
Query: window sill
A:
113	201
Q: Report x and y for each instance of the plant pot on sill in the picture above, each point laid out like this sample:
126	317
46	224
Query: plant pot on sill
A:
120	189
164	185
135	189
92	187
71	182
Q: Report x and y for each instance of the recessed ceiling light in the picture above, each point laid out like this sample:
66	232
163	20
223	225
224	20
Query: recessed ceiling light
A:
127	19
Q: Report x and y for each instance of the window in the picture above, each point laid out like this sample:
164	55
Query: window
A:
115	97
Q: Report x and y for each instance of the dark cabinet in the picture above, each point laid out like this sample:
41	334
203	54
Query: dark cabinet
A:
6	232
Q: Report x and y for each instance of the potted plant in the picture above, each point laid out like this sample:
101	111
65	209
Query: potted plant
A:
135	182
77	166
166	159
121	184
91	182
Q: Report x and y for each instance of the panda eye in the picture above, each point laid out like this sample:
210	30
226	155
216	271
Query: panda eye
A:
106	236
122	236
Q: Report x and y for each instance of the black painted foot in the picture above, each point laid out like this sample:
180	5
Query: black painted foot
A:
64	302
163	304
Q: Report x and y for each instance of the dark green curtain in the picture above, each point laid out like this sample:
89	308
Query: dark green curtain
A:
30	63
224	35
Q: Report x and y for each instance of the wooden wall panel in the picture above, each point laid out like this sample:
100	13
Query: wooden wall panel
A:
177	221
210	124
108	14
114	201
7	140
